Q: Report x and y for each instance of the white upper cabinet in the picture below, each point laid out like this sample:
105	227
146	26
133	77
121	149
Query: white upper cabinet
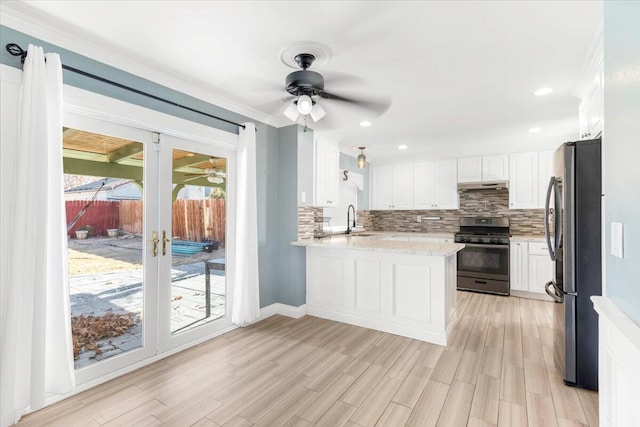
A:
446	186
479	169
327	183
495	168
402	187
435	185
545	169
523	181
381	187
591	109
470	169
424	185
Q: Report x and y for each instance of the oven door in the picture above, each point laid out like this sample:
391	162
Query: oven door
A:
484	261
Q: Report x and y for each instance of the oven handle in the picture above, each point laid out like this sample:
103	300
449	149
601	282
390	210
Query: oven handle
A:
476	245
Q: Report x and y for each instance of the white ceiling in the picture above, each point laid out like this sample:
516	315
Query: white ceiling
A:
460	75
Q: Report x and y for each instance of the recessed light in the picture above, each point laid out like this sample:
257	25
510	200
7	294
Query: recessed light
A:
365	124
534	130
543	91
402	147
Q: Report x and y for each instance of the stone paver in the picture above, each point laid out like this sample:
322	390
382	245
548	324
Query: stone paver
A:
122	292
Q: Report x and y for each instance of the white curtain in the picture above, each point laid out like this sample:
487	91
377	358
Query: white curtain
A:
246	304
36	349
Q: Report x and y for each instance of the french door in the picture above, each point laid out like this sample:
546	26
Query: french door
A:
148	216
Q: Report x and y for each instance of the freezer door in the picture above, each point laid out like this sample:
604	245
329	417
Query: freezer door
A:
564	338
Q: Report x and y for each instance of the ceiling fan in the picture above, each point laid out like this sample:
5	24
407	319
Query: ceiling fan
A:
305	84
213	175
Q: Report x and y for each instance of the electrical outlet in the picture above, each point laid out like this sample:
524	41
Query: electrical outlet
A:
617	240
419	218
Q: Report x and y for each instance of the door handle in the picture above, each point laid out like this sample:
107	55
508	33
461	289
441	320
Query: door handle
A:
547	213
164	242
155	241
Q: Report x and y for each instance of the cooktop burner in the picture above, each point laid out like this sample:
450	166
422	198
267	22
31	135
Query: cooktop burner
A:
483	230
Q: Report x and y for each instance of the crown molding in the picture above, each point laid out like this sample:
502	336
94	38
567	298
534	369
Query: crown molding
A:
24	18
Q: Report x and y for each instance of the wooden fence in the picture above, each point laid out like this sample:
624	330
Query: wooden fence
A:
101	216
193	220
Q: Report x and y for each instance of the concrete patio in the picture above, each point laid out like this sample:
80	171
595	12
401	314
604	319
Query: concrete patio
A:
121	291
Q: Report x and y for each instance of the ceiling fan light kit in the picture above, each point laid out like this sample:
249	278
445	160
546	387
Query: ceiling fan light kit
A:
305	104
305	84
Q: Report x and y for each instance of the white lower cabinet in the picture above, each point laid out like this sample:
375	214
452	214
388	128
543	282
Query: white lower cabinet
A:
531	268
405	294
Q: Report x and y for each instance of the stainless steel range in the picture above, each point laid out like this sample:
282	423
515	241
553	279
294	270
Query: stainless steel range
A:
483	265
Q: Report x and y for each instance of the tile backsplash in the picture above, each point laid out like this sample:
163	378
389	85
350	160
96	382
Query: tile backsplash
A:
472	203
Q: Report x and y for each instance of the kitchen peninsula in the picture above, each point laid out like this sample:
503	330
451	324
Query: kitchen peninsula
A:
401	283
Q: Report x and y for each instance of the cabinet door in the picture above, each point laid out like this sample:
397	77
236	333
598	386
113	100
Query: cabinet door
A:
595	107
545	169
495	168
381	187
423	185
540	272
402	187
326	179
523	181
470	169
518	265
445	185
583	120
332	177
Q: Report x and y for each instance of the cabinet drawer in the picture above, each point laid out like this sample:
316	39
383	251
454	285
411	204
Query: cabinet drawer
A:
538	248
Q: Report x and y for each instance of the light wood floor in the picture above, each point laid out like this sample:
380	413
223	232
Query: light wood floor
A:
498	370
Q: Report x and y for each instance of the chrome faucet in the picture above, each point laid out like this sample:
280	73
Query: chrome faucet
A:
349	217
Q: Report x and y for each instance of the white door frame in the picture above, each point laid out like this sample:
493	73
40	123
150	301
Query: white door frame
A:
83	108
167	340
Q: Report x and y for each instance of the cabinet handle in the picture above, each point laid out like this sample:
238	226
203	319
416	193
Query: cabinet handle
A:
329	201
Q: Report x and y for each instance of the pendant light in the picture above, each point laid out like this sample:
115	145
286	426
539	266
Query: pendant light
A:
362	159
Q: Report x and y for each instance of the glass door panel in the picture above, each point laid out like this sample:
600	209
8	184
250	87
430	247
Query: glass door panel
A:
109	269
194	240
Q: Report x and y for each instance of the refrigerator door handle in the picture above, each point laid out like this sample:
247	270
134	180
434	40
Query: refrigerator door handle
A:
547	214
551	290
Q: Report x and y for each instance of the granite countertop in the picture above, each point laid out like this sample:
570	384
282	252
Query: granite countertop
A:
528	238
377	241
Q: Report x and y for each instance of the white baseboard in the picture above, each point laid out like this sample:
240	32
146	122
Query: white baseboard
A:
530	295
439	338
282	309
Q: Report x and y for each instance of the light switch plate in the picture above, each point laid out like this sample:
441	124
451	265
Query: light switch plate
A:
303	197
617	240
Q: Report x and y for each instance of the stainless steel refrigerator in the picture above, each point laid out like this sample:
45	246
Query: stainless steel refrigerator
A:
573	231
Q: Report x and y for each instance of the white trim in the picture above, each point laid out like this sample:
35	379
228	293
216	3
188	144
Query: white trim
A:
618	368
530	295
282	309
438	338
26	19
96	106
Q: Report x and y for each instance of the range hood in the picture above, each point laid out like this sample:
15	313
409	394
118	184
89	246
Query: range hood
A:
487	185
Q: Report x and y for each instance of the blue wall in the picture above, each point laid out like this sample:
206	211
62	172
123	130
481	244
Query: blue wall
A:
291	261
267	143
349	163
622	150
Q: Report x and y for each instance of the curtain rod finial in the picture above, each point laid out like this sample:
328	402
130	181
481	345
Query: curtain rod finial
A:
16	50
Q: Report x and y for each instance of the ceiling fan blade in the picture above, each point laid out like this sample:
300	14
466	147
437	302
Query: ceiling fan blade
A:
376	105
333	78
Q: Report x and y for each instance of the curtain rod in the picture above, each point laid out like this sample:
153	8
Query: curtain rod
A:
16	50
